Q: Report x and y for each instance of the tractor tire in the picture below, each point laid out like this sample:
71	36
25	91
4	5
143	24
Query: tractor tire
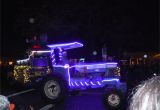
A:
113	99
53	90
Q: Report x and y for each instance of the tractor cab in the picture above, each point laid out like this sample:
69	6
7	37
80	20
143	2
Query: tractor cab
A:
59	52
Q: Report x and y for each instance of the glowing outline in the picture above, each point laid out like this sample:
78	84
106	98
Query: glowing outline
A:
92	83
64	44
112	79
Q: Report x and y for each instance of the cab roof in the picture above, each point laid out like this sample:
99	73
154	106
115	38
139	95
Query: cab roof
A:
66	46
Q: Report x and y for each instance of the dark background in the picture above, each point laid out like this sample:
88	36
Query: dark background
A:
123	25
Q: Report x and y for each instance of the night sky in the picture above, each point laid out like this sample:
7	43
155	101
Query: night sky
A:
123	25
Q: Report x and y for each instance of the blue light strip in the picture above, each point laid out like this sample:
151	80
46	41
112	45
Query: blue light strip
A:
52	56
52	52
111	79
94	64
81	83
85	65
99	83
60	49
86	83
69	77
60	54
76	84
65	44
92	83
53	60
72	84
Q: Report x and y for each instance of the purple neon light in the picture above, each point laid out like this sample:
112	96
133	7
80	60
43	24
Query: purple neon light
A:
68	72
112	79
66	66
76	83
81	83
85	65
52	52
92	65
65	44
99	83
92	83
69	78
60	53
72	84
86	83
52	56
60	49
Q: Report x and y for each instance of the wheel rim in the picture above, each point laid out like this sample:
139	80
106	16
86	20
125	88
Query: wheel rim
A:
113	99
52	89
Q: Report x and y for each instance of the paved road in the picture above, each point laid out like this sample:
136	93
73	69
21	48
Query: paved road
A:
31	99
26	99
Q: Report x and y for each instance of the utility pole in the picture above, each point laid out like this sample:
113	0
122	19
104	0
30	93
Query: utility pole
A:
104	53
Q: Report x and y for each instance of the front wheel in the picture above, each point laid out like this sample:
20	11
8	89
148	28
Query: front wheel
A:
113	99
53	90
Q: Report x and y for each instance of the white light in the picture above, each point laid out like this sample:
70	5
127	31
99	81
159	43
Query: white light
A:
95	53
24	60
81	83
155	74
98	83
112	79
66	66
38	52
86	83
42	51
145	56
76	84
72	84
92	83
31	20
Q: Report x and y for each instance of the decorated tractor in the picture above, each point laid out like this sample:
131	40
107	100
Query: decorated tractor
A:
57	76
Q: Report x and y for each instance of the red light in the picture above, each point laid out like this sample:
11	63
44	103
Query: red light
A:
36	47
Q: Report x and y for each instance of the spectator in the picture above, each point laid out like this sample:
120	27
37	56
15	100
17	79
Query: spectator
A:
4	103
147	95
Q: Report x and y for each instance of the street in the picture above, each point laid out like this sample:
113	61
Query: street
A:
31	99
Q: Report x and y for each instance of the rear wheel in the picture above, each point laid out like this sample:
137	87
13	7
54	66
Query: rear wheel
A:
53	90
113	99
